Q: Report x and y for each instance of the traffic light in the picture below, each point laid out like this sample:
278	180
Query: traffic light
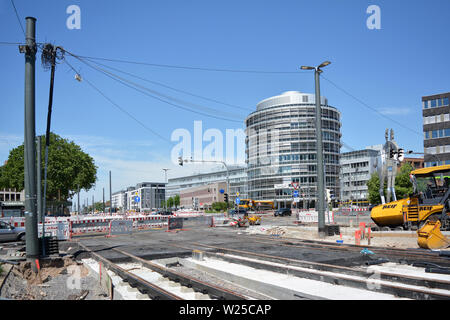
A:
401	154
180	161
328	195
392	153
226	197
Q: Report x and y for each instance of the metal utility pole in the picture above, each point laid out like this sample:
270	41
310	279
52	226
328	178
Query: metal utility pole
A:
31	219
319	147
165	186
110	193
103	200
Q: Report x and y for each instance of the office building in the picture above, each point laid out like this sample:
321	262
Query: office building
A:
281	148
237	178
436	129
357	168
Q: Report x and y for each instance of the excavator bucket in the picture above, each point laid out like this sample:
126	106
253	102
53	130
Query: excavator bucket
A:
430	236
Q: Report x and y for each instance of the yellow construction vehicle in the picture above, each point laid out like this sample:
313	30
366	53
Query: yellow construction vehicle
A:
427	208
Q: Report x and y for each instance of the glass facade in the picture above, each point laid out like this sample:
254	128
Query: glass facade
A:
281	148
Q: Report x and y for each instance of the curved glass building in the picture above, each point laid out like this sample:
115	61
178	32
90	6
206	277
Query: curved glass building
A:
281	149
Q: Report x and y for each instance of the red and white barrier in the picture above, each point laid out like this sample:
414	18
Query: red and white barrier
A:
312	217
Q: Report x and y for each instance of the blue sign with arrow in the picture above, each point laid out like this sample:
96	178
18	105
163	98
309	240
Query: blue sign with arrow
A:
238	200
137	199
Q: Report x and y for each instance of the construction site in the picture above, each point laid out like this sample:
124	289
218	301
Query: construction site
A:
198	256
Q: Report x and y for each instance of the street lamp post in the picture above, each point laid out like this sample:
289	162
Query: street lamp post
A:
165	187
319	147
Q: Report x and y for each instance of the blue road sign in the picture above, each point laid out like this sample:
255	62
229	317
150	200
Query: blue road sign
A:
221	191
238	200
295	193
137	199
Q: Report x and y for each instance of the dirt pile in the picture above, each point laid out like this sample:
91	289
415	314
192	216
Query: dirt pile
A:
49	268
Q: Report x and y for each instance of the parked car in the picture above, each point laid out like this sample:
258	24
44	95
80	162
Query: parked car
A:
283	212
11	233
165	212
239	211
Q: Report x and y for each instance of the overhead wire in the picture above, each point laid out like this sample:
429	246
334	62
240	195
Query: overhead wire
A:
136	87
18	18
172	88
190	67
118	106
371	108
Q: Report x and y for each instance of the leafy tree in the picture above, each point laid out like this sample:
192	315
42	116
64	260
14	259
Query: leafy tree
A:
68	168
176	200
403	186
170	202
219	206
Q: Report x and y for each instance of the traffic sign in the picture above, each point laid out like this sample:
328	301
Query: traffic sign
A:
221	191
137	199
295	194
237	194
238	200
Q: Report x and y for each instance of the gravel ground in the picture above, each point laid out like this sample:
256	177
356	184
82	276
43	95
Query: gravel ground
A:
206	277
69	282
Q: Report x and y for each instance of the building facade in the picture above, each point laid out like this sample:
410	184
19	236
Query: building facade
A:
356	169
436	129
281	148
202	197
145	196
237	178
416	163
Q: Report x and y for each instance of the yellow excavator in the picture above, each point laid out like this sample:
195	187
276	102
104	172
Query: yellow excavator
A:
427	209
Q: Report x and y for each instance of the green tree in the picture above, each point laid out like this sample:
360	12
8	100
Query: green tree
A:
176	200
170	202
68	168
219	206
403	185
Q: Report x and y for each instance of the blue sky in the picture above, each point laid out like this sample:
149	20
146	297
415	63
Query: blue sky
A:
388	69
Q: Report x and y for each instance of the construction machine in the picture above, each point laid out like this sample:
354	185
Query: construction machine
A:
427	208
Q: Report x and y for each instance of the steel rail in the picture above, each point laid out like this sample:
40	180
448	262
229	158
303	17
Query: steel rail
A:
345	275
204	287
393	252
153	291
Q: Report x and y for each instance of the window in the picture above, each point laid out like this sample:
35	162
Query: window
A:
433	103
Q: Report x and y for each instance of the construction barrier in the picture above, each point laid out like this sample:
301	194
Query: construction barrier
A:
175	223
89	225
312	217
189	222
60	230
146	222
117	227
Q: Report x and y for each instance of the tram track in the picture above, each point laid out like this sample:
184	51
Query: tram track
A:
409	255
156	292
406	286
